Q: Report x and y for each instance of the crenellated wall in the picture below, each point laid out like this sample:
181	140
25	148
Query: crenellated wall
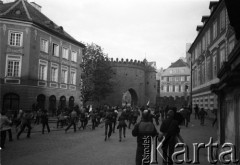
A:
132	75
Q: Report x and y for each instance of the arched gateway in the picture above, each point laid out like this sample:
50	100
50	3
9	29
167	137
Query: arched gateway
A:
130	98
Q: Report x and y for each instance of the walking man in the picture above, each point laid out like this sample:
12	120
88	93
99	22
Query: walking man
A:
143	130
25	122
108	124
122	126
44	119
73	120
171	132
202	113
4	127
196	109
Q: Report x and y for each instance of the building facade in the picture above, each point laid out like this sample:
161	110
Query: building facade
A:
210	49
175	80
40	62
228	88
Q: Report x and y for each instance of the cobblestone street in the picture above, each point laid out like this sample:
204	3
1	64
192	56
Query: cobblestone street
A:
88	147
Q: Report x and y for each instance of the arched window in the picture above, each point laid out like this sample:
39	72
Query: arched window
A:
62	102
11	103
41	101
71	102
52	104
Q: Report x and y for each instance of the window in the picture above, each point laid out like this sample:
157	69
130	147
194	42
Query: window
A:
170	88
231	44
203	72
54	72
55	49
223	20
73	76
44	45
208	37
182	88
215	30
176	88
64	75
208	71
170	78
222	54
65	53
42	74
188	78
214	64
203	43
15	38
13	66
182	78
74	56
165	88
177	78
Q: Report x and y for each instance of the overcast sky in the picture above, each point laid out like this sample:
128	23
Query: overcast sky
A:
133	29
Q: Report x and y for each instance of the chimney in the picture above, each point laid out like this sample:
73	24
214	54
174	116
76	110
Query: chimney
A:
36	6
199	28
204	19
212	5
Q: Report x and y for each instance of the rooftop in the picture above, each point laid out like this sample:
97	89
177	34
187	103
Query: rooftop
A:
23	11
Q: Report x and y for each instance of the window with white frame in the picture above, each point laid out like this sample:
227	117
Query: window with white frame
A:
64	74
55	49
165	88
74	56
182	78
170	88
65	53
44	45
42	72
176	88
182	88
15	38
223	20
222	54
215	30
54	72
13	66
73	76
208	37
231	44
214	64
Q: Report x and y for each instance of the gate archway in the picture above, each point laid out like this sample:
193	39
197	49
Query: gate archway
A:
130	98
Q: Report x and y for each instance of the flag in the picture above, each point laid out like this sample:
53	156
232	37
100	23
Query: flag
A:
148	102
90	109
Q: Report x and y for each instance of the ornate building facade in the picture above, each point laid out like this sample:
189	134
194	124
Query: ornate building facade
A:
39	60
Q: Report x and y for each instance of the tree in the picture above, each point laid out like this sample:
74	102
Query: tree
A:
96	74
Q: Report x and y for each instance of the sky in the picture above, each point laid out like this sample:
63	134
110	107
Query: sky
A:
157	30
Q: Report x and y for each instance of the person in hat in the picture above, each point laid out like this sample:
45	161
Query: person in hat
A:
171	131
142	130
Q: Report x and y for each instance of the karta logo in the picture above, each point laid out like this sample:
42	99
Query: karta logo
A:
225	153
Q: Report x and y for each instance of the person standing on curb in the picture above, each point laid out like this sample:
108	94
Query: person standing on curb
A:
44	119
143	129
4	127
73	120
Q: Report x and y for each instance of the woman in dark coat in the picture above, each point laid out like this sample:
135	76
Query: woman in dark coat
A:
122	125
